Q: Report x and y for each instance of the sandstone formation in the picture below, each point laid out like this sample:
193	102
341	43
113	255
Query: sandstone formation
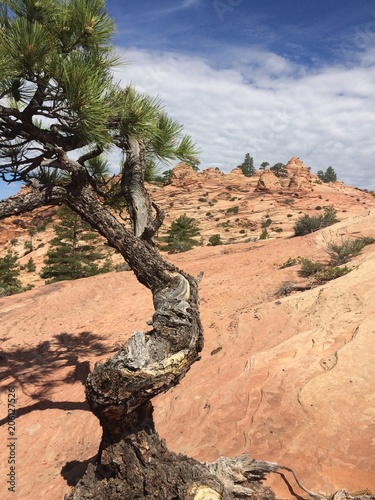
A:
230	205
296	178
183	175
285	379
268	182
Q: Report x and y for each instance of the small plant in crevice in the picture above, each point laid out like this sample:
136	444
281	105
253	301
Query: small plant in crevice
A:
289	263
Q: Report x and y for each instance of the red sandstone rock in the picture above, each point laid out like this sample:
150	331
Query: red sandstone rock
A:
268	182
288	379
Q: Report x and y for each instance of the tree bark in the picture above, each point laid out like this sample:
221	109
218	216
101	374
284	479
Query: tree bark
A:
138	200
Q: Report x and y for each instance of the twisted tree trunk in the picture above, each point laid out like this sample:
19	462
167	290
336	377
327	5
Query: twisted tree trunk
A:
133	463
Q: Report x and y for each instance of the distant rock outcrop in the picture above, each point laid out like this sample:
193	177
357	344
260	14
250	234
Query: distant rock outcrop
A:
183	175
268	182
297	177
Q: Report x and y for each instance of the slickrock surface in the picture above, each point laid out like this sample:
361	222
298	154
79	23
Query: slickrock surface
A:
285	379
231	205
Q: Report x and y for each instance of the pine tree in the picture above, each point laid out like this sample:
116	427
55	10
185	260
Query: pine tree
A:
279	170
181	235
30	266
74	250
328	176
9	272
247	166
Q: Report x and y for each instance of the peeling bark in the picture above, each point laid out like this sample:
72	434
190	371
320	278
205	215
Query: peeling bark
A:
139	203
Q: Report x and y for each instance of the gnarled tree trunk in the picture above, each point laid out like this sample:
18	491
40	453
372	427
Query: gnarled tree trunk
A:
133	463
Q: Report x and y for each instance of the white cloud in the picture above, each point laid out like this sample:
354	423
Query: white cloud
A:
267	106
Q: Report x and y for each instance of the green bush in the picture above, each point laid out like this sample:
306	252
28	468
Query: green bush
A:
215	240
233	210
309	224
342	253
309	267
331	273
264	234
328	176
267	223
290	262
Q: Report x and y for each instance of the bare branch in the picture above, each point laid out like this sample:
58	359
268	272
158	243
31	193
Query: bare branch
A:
33	198
90	155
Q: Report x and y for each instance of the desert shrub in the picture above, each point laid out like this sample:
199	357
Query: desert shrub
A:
309	267
285	289
215	240
267	223
289	263
342	253
225	224
264	234
309	224
233	210
331	273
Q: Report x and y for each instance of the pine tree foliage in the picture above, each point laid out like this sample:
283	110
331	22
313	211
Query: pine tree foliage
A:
328	176
181	235
73	253
247	166
279	170
9	275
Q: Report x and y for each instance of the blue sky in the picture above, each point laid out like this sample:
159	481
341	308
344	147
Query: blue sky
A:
273	78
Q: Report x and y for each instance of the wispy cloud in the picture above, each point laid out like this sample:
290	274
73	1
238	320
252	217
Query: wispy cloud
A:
270	107
190	3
